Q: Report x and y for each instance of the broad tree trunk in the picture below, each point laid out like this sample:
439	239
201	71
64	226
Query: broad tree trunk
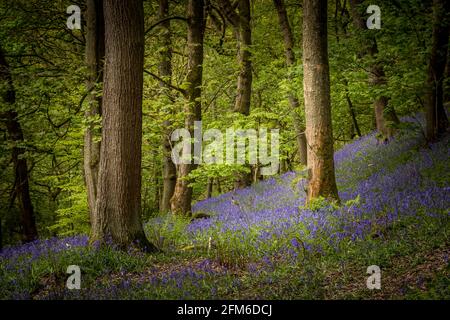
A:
436	118
118	208
290	61
14	129
165	72
316	84
95	52
181	199
384	116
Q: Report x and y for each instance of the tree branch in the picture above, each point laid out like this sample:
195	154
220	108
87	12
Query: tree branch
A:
182	91
164	20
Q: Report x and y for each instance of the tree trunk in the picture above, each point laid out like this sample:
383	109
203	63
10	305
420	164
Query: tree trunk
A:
95	52
436	117
243	179
209	188
165	72
181	199
157	194
118	208
244	84
290	61
316	84
1	236
242	30
21	183
351	109
340	26
219	187
385	116
241	24
447	78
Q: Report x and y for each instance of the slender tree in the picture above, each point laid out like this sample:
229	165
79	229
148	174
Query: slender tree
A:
240	21
447	78
351	109
340	25
181	199
94	55
436	117
244	85
118	208
209	188
385	115
165	73
316	85
288	40
9	117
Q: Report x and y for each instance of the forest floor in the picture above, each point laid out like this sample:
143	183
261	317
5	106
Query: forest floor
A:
263	242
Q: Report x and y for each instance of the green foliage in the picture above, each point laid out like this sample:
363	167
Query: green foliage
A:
73	214
318	203
168	232
49	73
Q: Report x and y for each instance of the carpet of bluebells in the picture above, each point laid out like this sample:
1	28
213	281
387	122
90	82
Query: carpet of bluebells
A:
258	236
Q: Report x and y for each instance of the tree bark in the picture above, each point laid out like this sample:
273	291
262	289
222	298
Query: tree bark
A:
219	187
385	116
181	199
118	207
165	72
351	109
1	236
209	188
95	52
242	29
436	117
288	40
14	129
340	26
316	84
243	179
447	78
157	195
244	84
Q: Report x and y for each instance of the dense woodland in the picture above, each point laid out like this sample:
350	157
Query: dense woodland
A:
87	115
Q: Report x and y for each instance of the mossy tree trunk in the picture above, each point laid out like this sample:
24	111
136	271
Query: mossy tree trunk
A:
94	55
288	40
165	72
182	196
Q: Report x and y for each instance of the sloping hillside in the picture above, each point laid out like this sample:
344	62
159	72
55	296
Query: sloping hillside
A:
263	242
